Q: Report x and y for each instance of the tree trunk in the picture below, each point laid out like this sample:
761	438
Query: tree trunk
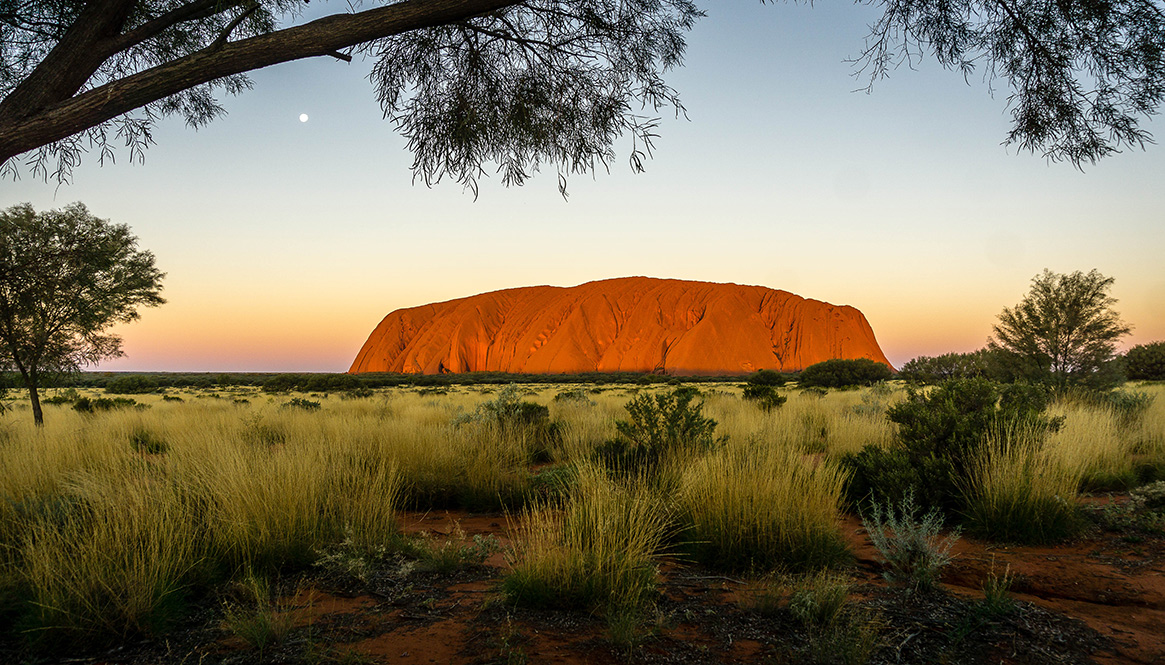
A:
37	414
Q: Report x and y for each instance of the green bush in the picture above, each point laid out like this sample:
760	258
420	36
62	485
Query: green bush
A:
766	397
146	442
943	429
660	426
64	397
838	373
302	403
357	393
767	377
888	475
1146	361
131	385
514	416
86	405
574	396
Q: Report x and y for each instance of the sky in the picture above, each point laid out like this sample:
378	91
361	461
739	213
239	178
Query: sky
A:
285	242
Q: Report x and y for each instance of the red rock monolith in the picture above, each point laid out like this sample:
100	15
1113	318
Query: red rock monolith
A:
630	324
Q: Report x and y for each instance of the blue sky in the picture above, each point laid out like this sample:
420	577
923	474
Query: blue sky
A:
286	242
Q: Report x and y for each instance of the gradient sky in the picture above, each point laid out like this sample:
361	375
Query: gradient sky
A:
285	243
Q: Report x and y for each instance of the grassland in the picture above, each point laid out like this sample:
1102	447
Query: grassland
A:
122	524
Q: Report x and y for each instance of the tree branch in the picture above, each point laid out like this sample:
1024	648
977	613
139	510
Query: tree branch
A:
188	12
226	33
323	36
71	62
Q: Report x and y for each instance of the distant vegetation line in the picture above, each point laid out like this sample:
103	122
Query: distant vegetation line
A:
323	381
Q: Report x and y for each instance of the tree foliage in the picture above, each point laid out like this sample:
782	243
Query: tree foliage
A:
1080	74
65	278
927	369
1146	361
519	85
839	373
1064	330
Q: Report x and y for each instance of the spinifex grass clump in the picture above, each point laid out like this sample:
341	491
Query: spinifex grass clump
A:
1094	444
114	559
598	552
1019	492
759	507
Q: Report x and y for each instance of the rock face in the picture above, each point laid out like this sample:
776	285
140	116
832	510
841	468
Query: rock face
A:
632	324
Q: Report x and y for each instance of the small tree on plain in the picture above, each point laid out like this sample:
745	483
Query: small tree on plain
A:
66	277
1064	331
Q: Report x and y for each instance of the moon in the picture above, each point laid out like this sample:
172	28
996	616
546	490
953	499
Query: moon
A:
303	117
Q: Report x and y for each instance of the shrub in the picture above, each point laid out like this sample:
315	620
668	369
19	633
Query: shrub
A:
67	396
86	405
1144	511
941	430
283	383
361	392
839	373
661	427
516	417
131	385
172	398
766	397
302	404
888	475
1146	361
913	551
767	377
574	396
925	369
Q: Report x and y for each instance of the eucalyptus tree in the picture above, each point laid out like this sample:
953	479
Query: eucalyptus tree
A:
66	277
519	85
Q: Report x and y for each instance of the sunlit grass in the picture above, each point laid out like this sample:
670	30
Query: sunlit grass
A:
108	521
1092	445
756	507
1022	490
598	552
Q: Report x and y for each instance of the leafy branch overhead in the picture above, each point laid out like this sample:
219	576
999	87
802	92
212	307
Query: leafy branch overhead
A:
519	85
